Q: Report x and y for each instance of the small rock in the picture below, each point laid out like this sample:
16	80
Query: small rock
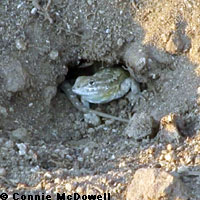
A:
197	160
20	134
178	43
2	171
3	111
68	157
57	181
89	2
11	109
14	76
113	157
80	159
49	93
135	58
48	175
155	184
30	105
168	157
120	42
92	118
79	190
169	147
53	54
107	30
164	37
169	129
108	122
86	151
9	144
20	44
90	130
142	125
22	149
33	11
198	91
68	187
35	169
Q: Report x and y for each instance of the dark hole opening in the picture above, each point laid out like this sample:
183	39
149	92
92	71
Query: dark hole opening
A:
88	68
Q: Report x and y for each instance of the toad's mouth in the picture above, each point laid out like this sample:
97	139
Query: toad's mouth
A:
85	91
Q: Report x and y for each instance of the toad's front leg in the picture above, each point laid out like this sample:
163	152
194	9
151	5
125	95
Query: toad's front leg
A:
134	94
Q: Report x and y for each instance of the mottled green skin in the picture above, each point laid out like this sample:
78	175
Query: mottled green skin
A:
104	86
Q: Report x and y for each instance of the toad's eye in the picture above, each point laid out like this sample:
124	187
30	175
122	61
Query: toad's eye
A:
91	82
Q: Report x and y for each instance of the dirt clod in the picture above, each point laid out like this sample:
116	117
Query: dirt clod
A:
155	184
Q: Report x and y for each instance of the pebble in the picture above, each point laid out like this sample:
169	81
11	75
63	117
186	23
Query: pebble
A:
92	118
15	77
86	151
141	125
49	93
2	171
53	54
20	44
57	181
91	130
20	134
22	149
9	144
35	169
169	131
80	159
11	109
70	158
168	157
120	42
48	175
198	90
89	2
178	43
135	58
34	11
169	147
3	111
68	187
197	160
30	104
188	159
107	30
48	187
109	121
79	190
